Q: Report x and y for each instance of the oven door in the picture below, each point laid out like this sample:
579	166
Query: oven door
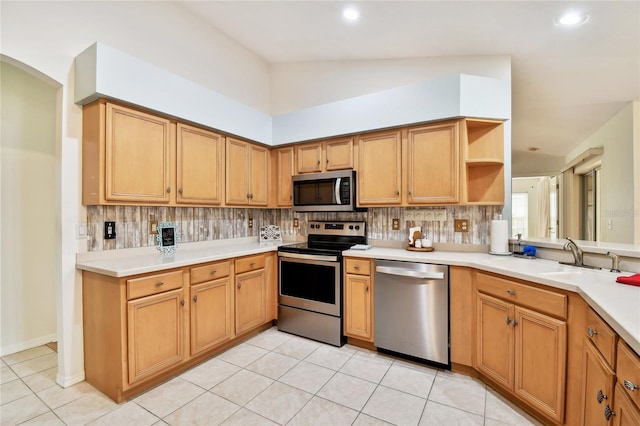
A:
311	282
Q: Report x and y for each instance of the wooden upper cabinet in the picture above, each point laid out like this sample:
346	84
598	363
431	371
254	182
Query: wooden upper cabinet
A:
379	168
247	172
433	164
125	156
283	160
199	166
334	154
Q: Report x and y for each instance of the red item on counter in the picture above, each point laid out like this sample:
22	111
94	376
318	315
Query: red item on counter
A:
632	280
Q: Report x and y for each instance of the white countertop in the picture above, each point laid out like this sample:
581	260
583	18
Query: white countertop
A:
618	304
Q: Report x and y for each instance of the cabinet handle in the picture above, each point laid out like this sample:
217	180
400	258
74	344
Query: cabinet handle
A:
608	412
511	292
397	192
252	264
318	162
182	302
327	161
409	192
291	197
180	190
195	298
600	396
366	288
160	284
356	267
213	272
591	332
631	386
508	320
239	285
515	322
168	190
251	196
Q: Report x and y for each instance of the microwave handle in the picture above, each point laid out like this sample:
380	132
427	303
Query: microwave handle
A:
337	191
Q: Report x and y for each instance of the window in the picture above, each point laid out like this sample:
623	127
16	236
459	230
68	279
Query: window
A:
520	214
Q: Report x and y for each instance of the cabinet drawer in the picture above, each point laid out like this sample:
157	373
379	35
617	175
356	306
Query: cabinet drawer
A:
628	370
540	300
209	272
358	266
250	263
145	286
602	336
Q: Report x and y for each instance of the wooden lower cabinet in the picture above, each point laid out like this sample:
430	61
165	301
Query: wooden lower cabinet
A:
143	329
597	389
155	327
625	413
211	314
523	351
358	299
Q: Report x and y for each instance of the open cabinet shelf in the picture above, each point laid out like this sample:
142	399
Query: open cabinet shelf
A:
483	148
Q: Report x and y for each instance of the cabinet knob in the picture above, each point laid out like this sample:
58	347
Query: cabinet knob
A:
409	192
511	292
214	272
239	285
160	284
600	396
366	288
182	302
318	162
515	322
252	264
327	161
591	332
168	190
397	192
631	386
608	412
248	196
195	298
508	320
356	266
180	190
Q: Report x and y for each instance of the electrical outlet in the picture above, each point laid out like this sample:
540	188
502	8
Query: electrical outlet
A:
250	223
81	231
296	223
109	230
153	227
395	224
461	225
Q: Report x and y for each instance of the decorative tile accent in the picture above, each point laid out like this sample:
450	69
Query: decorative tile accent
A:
208	224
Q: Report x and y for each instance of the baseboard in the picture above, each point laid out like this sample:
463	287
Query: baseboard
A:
66	381
22	346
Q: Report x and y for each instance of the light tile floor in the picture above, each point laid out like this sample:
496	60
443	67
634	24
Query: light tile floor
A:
273	378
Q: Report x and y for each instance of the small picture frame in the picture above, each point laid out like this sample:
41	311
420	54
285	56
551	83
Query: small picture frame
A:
167	237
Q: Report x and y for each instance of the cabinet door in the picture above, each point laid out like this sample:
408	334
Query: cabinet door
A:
379	172
210	314
597	386
433	164
137	157
540	361
251	300
626	413
259	169
237	172
155	330
285	172
199	166
339	154
358	321
309	158
494	339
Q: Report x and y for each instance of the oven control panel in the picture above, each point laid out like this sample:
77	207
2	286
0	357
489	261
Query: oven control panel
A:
348	228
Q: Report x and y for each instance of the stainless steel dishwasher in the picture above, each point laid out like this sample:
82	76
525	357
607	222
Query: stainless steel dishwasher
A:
411	310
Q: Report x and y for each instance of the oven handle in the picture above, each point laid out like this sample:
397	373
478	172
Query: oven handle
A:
403	272
308	256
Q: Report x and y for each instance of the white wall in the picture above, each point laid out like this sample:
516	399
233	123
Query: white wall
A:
28	199
617	190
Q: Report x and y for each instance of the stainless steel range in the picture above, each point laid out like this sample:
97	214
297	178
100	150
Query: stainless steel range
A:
310	283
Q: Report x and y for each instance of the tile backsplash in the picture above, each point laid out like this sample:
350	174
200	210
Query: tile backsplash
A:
205	224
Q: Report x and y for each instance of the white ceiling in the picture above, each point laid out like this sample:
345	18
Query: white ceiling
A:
566	83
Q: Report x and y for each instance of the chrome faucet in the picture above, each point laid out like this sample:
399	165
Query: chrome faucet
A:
615	261
575	250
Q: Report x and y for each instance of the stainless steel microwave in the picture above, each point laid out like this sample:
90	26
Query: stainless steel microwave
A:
325	192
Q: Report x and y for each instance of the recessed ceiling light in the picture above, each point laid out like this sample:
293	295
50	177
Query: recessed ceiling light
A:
571	19
351	14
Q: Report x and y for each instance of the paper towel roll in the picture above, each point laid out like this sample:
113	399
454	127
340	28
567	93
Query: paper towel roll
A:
499	237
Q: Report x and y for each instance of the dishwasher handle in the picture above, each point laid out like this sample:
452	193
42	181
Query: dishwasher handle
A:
404	272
